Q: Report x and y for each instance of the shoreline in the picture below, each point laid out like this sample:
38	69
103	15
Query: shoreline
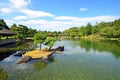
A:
98	37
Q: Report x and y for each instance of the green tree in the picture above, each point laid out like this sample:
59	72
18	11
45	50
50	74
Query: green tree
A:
116	33
82	31
50	42
107	32
23	29
3	24
39	38
116	24
88	29
73	32
31	32
95	29
106	29
102	25
14	28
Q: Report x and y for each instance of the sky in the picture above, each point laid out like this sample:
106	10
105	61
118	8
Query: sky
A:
58	15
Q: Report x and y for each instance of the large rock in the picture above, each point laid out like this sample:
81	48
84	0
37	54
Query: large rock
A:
18	53
60	48
24	59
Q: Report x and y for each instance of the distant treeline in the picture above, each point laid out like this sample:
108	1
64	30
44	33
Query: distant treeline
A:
23	31
103	29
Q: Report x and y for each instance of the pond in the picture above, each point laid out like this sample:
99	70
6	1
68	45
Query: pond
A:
81	60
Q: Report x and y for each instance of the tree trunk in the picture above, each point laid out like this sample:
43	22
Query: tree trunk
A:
40	46
50	47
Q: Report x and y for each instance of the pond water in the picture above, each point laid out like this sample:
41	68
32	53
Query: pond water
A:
81	60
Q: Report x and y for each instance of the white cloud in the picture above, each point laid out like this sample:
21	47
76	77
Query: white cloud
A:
88	19
65	18
34	22
19	3
97	19
20	17
5	10
20	6
32	14
42	24
83	9
10	22
36	14
60	24
14	6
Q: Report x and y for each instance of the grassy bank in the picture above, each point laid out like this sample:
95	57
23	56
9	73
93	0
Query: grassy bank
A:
98	37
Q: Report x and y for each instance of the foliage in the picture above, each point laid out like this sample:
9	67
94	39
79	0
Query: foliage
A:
22	31
88	29
31	32
73	32
104	29
39	38
107	31
52	34
3	24
50	41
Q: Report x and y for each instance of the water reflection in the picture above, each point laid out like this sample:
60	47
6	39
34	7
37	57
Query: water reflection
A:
3	74
72	64
6	51
4	55
108	46
41	64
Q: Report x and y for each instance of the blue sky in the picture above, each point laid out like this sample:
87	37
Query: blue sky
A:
58	15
